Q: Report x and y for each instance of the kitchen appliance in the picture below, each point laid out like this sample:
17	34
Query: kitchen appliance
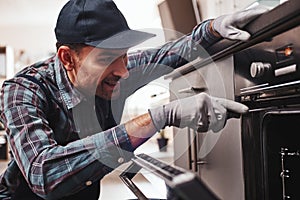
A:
267	80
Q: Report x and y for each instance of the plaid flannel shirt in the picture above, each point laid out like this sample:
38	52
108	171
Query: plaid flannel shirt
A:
61	158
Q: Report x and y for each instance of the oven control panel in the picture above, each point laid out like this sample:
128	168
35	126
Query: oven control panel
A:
258	69
271	65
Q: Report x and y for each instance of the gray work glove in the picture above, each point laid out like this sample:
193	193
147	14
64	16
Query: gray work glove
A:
229	26
200	112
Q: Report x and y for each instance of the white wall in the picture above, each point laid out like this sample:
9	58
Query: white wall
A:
144	13
29	24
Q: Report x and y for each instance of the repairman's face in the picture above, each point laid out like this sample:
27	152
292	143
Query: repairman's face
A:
99	71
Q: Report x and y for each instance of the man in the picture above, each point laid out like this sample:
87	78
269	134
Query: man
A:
62	115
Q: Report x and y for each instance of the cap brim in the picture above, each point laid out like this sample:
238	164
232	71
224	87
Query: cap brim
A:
123	40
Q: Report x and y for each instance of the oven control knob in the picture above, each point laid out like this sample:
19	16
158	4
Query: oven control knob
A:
258	69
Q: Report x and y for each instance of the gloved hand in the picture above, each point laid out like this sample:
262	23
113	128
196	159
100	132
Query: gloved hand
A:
200	112
229	26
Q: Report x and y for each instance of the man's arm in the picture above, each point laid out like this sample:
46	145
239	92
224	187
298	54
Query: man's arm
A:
140	129
200	112
147	65
152	63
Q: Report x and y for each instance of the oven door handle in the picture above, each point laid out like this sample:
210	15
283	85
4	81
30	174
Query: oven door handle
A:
231	114
192	90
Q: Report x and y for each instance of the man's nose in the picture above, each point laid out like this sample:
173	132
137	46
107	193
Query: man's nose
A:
120	68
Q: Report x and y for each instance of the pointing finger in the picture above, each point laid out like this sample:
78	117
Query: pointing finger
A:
232	106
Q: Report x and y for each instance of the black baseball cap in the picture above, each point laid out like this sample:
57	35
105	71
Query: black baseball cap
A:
97	23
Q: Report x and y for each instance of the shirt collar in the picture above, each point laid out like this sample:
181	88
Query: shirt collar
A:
70	95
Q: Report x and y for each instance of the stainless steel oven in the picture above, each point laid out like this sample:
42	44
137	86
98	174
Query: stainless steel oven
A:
266	74
267	79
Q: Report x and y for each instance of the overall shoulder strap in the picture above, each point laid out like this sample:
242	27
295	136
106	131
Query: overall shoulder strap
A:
53	114
24	193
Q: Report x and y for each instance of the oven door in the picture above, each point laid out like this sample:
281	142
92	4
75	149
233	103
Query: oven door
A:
271	154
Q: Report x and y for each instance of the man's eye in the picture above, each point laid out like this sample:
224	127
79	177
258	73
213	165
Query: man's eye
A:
106	60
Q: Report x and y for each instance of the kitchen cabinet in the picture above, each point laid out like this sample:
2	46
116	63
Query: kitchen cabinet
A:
216	157
177	17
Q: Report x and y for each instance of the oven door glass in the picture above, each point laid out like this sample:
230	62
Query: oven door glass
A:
281	130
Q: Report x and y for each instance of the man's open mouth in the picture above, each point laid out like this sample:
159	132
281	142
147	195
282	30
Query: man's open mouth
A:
112	84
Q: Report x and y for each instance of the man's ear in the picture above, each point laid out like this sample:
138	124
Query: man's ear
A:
65	55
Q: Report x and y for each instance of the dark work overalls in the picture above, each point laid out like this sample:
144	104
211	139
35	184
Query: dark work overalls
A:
92	192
